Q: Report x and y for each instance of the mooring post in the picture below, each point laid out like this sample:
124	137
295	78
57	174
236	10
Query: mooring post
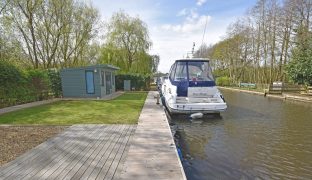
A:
265	92
157	98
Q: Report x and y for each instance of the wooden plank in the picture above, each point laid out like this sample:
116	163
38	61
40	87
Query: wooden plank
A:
123	159
97	164
142	172
156	164
87	154
42	166
63	170
28	156
41	161
65	161
76	154
152	140
111	172
94	162
61	158
33	154
147	157
82	161
106	159
89	158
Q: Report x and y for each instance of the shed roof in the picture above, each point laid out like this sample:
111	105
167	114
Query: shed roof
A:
106	66
193	59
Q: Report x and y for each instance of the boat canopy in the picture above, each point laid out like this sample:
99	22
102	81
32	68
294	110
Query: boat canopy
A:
191	70
191	73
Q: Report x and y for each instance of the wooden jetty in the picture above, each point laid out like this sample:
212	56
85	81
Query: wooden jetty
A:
81	152
143	151
152	154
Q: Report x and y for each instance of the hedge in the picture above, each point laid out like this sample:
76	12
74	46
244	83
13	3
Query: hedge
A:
18	87
137	81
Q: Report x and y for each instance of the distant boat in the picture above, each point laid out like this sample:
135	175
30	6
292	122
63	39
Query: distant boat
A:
190	88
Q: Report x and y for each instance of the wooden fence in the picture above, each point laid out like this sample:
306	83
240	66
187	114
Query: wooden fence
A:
279	88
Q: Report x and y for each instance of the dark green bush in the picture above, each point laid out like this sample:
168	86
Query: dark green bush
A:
10	76
13	85
55	82
39	80
138	81
18	87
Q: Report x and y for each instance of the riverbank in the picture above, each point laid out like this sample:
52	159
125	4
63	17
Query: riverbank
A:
286	96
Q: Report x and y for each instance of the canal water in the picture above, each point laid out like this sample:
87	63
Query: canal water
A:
256	137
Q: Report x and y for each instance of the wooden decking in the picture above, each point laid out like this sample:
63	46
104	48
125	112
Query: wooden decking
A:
144	151
81	152
152	153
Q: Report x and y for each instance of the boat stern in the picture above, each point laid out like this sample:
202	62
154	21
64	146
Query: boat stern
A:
190	105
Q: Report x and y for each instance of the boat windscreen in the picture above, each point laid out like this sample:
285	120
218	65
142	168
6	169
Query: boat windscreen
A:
199	71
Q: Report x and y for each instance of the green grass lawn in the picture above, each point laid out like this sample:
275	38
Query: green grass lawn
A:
123	110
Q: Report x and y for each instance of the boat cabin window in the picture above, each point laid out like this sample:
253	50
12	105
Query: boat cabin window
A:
199	71
181	72
191	71
172	71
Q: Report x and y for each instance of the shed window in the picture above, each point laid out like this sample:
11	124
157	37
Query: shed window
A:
90	82
102	78
113	79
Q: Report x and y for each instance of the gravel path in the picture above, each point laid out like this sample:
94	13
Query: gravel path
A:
16	140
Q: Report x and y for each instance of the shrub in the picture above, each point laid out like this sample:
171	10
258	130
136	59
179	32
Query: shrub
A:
55	82
17	87
14	88
39	82
223	81
10	75
138	81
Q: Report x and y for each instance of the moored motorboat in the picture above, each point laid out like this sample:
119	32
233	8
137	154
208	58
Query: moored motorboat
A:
190	88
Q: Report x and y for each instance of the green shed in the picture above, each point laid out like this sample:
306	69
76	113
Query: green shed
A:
95	81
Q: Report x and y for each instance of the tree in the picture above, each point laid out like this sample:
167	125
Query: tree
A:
258	47
51	33
300	66
155	63
3	4
79	30
127	39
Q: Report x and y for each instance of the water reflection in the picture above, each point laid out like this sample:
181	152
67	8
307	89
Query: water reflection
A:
256	137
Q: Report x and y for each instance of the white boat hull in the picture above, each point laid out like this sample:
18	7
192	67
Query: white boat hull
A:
205	108
206	104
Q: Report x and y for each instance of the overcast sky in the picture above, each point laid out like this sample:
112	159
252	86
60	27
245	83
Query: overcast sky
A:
175	24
